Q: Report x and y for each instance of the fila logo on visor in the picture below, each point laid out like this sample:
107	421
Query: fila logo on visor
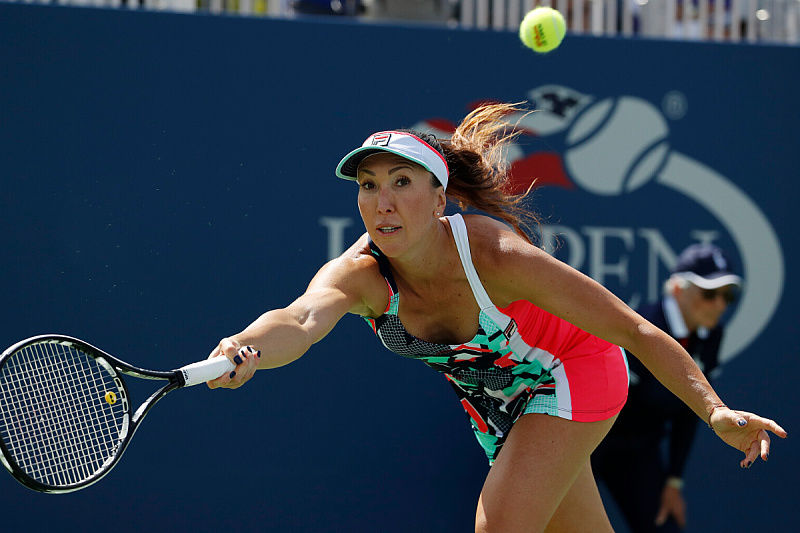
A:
381	139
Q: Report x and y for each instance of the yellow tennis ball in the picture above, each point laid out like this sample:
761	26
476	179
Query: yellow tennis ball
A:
542	29
111	398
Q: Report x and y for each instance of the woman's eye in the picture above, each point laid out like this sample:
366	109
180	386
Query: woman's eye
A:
403	181
366	185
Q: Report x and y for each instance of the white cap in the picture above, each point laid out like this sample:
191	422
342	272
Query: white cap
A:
404	144
707	266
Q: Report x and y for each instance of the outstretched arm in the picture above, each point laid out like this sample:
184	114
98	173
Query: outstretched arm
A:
281	336
514	270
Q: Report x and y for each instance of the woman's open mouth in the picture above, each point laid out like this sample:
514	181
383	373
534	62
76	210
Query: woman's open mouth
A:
388	229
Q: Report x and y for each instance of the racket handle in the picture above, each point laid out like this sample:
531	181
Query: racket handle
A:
207	370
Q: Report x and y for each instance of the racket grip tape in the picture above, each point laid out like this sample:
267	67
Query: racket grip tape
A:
207	370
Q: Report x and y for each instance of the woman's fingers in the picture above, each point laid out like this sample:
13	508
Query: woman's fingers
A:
764	444
747	432
246	361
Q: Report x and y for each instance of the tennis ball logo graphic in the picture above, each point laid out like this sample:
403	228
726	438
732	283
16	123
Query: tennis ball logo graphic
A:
616	145
542	29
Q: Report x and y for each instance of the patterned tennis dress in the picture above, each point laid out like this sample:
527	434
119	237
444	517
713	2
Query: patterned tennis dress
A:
522	360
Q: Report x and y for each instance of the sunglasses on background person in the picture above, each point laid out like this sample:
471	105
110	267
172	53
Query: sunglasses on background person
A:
728	294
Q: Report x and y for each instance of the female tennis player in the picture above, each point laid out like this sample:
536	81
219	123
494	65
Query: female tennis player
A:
532	347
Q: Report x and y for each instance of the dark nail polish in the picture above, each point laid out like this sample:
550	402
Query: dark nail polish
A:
237	360
258	354
232	374
742	422
749	463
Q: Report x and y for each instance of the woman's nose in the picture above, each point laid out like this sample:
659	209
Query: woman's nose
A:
385	202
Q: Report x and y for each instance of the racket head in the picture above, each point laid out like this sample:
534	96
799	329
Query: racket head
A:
65	413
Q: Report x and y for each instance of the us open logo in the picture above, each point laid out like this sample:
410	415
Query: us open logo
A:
614	146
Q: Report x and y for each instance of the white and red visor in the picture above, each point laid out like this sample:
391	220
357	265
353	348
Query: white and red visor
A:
396	142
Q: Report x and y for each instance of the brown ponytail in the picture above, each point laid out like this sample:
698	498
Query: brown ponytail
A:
479	174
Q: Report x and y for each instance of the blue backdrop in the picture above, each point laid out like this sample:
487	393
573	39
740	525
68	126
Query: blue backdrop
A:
167	178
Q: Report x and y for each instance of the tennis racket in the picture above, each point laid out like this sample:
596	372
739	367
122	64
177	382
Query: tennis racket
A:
66	414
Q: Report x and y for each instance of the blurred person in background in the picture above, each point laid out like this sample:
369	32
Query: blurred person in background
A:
643	457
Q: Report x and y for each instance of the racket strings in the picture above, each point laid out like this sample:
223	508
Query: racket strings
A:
55	418
71	422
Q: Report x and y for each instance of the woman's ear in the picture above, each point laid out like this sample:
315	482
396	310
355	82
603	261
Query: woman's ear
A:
441	202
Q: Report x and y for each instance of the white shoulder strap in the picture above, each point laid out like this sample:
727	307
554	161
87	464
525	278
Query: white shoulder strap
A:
462	244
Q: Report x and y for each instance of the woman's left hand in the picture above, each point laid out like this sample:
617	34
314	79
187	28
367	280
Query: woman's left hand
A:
746	432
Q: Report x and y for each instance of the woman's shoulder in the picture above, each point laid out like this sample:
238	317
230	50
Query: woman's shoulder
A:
357	261
490	236
503	258
357	271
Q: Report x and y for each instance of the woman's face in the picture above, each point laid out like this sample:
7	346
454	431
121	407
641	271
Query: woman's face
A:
397	202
